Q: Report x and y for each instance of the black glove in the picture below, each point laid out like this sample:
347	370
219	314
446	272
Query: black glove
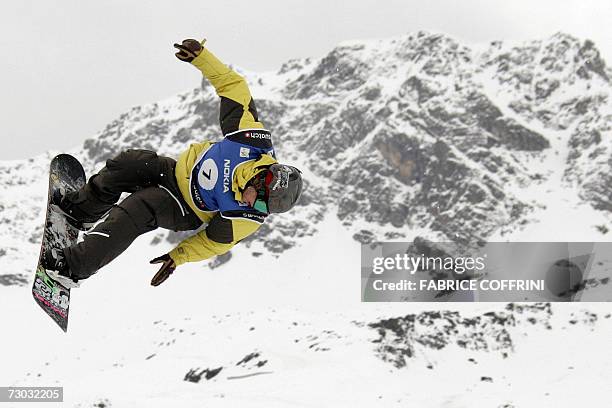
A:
188	50
165	271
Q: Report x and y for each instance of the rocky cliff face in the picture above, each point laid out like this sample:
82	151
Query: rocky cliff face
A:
421	132
416	133
562	85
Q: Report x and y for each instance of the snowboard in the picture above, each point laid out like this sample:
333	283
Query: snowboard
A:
65	171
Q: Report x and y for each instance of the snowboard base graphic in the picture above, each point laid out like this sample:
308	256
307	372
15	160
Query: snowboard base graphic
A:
52	297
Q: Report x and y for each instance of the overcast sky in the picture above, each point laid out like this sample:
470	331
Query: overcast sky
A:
71	66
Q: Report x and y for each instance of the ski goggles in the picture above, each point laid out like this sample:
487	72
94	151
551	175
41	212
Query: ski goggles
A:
263	191
261	206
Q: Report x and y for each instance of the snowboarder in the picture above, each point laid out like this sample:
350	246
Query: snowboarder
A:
231	185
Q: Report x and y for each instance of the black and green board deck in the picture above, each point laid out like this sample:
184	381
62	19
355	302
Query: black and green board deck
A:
52	297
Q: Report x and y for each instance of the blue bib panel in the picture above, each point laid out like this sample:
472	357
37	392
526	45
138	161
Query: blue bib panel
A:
212	175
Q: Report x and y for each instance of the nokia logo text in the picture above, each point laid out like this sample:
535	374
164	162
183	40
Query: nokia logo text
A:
226	175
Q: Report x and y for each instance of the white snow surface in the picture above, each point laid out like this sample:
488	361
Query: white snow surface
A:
131	345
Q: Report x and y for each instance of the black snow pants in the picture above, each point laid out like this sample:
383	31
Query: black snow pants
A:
155	201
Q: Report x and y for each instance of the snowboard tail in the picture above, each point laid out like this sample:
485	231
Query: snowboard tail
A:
65	172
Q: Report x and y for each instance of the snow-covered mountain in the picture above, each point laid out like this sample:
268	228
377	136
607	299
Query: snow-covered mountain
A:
418	135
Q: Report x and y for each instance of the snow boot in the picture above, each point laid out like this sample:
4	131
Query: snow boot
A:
60	205
57	269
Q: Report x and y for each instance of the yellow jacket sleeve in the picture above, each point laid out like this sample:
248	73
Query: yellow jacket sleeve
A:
200	246
238	109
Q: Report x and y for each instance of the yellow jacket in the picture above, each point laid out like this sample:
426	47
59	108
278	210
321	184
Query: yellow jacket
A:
237	112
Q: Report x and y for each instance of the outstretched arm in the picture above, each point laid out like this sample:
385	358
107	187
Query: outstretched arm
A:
238	109
220	236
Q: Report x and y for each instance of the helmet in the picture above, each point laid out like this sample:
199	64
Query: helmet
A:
284	186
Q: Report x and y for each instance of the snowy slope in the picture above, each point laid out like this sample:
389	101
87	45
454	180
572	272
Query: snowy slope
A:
132	345
412	136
